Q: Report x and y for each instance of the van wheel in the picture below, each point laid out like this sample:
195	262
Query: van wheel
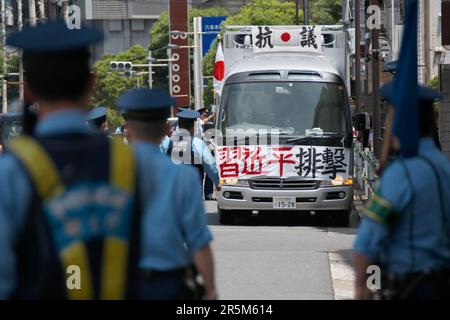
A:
225	217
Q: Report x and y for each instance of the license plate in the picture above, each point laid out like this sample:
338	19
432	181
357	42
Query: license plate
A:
284	203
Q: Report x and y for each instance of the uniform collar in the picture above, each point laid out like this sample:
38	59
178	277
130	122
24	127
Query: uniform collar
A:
61	122
426	144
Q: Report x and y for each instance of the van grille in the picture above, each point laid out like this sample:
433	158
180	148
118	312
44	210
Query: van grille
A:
283	184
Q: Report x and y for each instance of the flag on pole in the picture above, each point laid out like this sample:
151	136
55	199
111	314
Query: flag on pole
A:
219	66
404	93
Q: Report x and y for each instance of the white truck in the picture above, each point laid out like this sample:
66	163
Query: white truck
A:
284	122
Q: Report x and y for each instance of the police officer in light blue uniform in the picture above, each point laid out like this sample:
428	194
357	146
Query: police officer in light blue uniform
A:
97	119
174	231
50	216
406	224
184	147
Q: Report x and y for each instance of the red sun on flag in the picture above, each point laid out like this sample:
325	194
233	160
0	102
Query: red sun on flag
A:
285	37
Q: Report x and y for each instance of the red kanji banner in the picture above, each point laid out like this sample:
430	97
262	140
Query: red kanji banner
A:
282	161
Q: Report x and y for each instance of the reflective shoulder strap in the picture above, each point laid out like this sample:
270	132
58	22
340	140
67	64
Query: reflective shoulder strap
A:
122	166
39	165
115	251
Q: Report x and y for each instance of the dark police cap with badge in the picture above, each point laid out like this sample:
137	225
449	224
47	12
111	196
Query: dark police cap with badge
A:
145	104
53	36
424	93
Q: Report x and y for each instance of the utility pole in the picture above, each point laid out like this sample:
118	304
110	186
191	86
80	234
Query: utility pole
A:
32	12
375	33
394	57
4	81
198	68
150	69
297	8
358	55
305	12
20	25
41	10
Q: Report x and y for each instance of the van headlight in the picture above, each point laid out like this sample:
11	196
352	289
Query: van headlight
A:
338	181
234	182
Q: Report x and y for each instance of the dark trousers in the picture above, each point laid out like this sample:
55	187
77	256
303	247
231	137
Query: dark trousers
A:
161	287
208	187
418	286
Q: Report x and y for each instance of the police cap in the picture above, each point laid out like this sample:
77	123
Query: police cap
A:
188	115
145	104
185	108
424	93
53	36
96	113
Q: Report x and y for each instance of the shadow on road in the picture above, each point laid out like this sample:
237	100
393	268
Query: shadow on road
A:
285	219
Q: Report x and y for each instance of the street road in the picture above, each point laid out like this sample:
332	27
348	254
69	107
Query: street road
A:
281	257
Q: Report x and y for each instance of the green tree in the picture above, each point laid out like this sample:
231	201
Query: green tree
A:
159	39
110	84
325	11
434	84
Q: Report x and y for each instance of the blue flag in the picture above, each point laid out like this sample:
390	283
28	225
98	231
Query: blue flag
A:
404	94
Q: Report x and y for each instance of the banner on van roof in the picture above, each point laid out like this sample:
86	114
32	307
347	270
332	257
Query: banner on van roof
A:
297	39
315	162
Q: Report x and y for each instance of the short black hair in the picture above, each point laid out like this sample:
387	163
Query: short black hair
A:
59	75
97	123
185	123
427	118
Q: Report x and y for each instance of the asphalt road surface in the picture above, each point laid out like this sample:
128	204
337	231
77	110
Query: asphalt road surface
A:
281	257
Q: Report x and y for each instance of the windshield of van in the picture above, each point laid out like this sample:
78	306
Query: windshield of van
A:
293	108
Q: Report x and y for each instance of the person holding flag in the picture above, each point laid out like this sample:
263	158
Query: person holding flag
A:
406	224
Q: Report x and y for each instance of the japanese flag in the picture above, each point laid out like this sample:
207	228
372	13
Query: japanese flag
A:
285	38
219	66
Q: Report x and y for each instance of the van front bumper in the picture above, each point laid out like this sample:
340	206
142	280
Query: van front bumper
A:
321	199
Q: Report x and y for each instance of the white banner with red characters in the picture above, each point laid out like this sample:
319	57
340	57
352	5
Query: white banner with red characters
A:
282	161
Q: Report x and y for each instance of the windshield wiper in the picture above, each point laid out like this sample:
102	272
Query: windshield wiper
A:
308	138
297	139
325	134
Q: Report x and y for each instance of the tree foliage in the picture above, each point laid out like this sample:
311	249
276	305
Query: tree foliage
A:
325	11
434	84
110	84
